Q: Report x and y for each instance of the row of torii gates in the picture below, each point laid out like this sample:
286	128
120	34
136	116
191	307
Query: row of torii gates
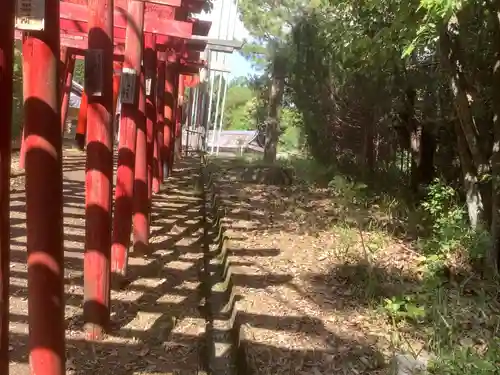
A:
149	46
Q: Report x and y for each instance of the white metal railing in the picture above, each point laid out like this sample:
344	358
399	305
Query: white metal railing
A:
193	138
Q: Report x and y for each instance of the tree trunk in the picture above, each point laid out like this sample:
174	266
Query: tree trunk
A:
275	98
420	141
473	161
422	166
369	146
473	196
495	152
427	151
450	61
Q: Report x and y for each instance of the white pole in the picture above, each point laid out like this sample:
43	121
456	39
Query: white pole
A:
235	18
220	19
212	81
188	119
228	23
195	110
201	99
222	115
219	31
222	76
231	24
216	112
195	107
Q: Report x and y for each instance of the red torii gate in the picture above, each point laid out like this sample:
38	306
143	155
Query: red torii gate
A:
143	110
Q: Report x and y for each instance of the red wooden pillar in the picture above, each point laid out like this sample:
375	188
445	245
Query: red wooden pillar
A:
169	118
131	116
44	201
140	219
150	76
160	122
22	153
179	118
6	63
99	168
155	187
117	66
175	115
81	127
64	69
64	53
66	88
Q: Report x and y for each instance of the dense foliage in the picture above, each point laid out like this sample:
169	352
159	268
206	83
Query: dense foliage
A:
17	104
403	97
374	82
390	86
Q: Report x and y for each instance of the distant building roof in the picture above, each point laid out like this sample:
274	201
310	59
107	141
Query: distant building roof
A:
75	97
234	139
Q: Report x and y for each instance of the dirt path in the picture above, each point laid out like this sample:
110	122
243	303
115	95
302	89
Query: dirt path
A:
303	307
300	307
156	323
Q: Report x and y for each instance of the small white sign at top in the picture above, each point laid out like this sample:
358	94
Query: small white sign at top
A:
30	15
149	81
128	80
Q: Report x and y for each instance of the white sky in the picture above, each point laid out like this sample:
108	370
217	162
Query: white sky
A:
222	28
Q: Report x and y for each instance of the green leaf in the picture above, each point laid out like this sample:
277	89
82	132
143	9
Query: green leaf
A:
414	311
